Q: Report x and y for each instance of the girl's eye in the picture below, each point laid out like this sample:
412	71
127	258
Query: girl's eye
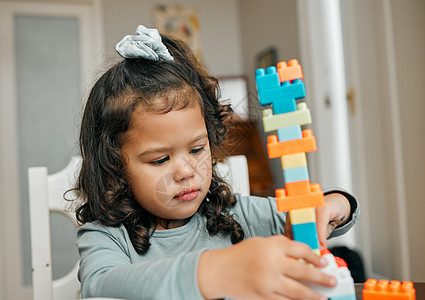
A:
196	150
160	161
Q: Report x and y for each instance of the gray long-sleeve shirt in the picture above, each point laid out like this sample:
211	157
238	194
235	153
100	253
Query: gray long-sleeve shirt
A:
111	267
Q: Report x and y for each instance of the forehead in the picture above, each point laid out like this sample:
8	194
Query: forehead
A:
173	99
175	126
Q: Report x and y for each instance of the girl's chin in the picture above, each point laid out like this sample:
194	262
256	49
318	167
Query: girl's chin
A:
180	213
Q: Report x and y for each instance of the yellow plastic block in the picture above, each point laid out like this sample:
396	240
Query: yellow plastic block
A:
294	160
305	215
273	122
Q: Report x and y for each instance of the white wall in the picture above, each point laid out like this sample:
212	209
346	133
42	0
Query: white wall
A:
263	24
219	23
267	23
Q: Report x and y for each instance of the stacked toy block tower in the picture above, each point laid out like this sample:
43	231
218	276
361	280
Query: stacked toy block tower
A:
281	87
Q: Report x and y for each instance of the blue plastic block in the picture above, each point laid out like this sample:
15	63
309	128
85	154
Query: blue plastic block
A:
289	133
307	234
267	79
344	297
283	98
296	174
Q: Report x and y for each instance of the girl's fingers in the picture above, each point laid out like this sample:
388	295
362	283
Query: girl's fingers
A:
301	250
277	296
301	271
296	290
322	221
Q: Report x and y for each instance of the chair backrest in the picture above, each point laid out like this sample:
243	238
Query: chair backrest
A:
46	193
235	172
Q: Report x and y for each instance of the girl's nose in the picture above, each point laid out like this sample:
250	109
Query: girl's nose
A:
183	169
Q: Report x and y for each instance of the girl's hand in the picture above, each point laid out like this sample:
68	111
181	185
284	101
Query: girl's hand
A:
335	212
262	268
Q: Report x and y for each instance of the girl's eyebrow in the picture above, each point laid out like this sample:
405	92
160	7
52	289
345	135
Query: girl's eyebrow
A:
165	149
200	137
154	150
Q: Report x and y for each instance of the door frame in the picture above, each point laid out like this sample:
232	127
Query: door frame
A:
91	35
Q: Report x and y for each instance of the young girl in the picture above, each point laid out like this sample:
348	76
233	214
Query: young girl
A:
159	223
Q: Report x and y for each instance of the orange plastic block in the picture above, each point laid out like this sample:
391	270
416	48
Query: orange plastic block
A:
298	187
289	71
277	149
313	198
385	290
325	251
340	262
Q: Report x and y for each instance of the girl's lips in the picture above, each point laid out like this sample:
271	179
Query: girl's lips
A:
187	195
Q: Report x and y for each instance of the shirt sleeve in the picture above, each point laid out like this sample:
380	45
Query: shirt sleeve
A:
354	213
261	217
106	269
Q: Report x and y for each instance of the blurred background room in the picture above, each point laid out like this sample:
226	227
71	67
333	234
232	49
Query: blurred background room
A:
364	70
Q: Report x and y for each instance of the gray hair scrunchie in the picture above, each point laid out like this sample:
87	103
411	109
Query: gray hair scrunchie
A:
146	43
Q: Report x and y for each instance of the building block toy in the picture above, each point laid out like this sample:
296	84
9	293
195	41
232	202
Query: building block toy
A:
306	233
286	202
299	197
283	98
296	174
305	215
294	160
289	133
267	79
272	122
282	95
345	284
385	290
297	188
289	71
277	149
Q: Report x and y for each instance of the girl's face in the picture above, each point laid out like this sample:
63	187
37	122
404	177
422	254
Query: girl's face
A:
168	161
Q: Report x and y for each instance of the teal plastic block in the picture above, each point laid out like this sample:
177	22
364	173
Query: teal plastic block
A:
291	91
266	79
296	174
307	234
283	98
289	133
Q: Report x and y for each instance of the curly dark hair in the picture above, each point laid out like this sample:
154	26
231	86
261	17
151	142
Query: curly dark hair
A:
102	184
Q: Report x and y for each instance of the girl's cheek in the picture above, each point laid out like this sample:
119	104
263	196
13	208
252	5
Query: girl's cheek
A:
205	165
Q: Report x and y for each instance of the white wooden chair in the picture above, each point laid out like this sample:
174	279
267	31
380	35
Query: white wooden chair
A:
235	172
46	194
